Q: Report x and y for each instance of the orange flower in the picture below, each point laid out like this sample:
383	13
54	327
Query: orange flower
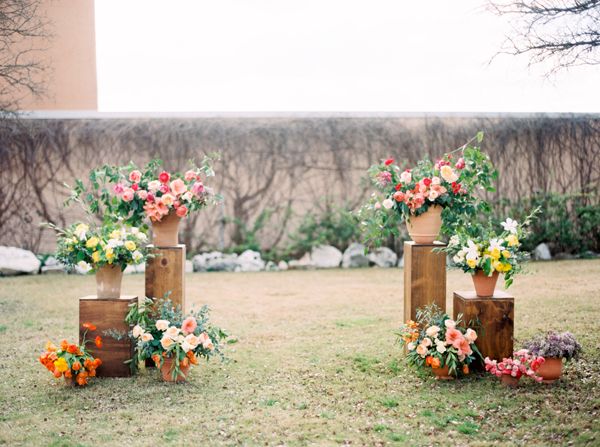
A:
465	369
92	372
428	360
57	373
87	363
50	346
192	357
64	345
156	359
68	374
81	379
185	362
76	366
435	363
97	362
53	356
89	326
72	349
98	341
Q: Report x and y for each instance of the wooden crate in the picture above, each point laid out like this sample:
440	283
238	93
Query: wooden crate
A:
492	318
165	272
108	314
424	277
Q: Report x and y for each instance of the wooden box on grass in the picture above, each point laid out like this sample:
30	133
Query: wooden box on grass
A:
108	315
492	318
424	277
165	273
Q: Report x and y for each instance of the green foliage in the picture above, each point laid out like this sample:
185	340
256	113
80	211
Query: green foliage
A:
249	233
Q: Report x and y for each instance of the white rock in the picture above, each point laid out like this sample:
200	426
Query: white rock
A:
271	267
325	257
303	263
354	256
401	262
16	261
189	266
53	265
139	268
282	265
215	261
542	252
250	261
383	257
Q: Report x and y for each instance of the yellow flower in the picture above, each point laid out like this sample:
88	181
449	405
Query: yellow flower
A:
497	266
495	253
74	240
130	245
61	365
116	234
507	267
512	240
96	256
472	263
506	254
92	242
110	255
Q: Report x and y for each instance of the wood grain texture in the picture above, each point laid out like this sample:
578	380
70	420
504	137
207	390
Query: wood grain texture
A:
424	277
165	272
492	318
108	314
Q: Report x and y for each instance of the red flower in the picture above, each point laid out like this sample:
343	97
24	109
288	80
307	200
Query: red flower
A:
164	177
398	186
98	341
150	197
89	326
389	161
455	187
72	349
135	187
460	164
427	181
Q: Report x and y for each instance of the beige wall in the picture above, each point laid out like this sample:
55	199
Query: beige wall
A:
70	81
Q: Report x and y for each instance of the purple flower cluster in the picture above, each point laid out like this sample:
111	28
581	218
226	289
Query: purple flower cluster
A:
554	344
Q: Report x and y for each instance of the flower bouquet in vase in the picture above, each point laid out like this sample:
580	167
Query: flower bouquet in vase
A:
418	195
438	342
554	347
510	370
104	250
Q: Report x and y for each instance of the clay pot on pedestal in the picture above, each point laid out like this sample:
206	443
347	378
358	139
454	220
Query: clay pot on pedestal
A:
442	373
108	281
484	285
167	371
510	381
424	229
165	232
551	370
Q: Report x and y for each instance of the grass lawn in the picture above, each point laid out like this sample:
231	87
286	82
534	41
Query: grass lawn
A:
315	363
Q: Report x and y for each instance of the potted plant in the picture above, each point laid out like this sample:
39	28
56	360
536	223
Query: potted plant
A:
438	342
134	194
554	347
174	341
105	250
418	195
510	370
72	361
486	254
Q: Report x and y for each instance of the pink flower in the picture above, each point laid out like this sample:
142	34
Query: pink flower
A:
422	350
452	335
460	164
164	189
433	195
383	178
128	195
189	325
471	335
119	188
142	194
198	188
182	211
405	177
190	175
399	196
178	187
135	176
150	197
168	199
464	348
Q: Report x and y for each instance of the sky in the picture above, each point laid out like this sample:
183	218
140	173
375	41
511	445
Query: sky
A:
321	56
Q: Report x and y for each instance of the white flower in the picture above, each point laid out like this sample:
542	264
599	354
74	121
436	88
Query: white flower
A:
114	243
84	266
172	331
192	340
510	225
496	243
450	324
411	346
162	325
432	331
147	336
387	203
188	196
186	346
142	236
166	342
81	231
448	174
435	180
454	240
137	331
459	257
426	342
134	230
137	256
405	177
472	250
433	194
153	186
440	347
471	335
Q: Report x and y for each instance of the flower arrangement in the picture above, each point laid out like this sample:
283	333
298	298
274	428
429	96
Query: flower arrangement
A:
162	333
72	361
522	363
451	183
436	341
555	345
90	247
133	194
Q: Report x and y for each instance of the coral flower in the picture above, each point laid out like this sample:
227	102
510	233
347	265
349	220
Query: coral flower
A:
178	187
89	326
435	363
135	176
192	357
98	341
64	345
189	325
453	335
72	349
182	211
76	366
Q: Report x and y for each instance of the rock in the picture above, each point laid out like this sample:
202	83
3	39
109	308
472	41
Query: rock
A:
301	264
53	265
189	266
215	261
250	261
354	256
131	269
16	261
401	262
271	267
282	265
383	257
325	257
542	252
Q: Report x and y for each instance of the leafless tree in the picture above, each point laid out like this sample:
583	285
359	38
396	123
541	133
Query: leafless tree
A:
565	32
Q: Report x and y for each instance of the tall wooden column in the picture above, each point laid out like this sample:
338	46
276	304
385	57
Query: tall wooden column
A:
165	273
424	277
108	315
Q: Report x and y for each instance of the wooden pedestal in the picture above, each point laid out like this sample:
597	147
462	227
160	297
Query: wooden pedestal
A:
108	315
165	273
492	318
424	277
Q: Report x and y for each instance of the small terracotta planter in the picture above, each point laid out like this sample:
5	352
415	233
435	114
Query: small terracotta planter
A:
424	229
551	370
442	373
484	285
510	381
165	232
108	281
167	372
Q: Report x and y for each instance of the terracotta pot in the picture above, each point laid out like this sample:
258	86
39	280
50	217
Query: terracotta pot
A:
442	373
484	285
165	232
510	381
167	372
424	229
108	281
550	370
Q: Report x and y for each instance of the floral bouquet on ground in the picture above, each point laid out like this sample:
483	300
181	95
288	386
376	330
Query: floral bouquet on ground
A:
172	340
510	370
554	347
417	195
438	342
72	361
